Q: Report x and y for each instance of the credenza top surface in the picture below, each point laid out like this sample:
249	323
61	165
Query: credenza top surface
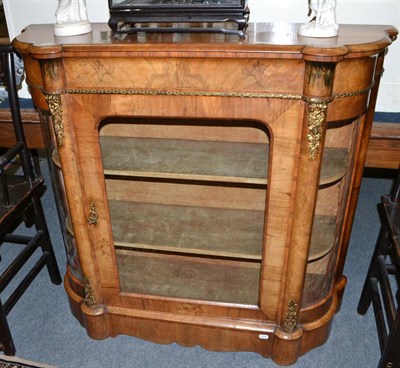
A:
356	40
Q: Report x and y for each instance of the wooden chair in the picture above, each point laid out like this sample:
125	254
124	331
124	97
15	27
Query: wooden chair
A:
381	286
20	203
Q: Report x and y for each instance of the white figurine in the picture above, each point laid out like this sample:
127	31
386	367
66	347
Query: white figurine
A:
71	18
322	19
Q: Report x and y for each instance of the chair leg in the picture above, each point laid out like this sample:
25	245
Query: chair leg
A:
45	243
36	162
6	340
391	355
366	294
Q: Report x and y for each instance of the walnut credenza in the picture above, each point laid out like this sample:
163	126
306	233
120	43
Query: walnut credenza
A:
207	184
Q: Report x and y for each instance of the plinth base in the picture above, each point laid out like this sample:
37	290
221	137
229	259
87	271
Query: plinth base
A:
212	333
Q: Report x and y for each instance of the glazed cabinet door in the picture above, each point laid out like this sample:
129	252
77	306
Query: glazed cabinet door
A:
193	206
184	197
187	206
175	206
187	198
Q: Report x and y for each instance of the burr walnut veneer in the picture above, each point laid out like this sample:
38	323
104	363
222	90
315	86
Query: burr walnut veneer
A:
207	184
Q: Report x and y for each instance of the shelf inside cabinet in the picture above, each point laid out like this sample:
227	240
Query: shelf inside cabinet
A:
235	162
315	285
185	159
317	281
322	236
203	231
56	158
188	277
334	165
218	232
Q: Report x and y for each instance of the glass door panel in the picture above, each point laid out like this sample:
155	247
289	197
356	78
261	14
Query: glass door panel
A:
187	206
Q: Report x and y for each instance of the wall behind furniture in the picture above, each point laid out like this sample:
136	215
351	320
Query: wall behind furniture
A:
20	13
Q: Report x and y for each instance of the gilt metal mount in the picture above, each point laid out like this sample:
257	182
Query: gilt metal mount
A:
90	298
54	101
290	323
93	215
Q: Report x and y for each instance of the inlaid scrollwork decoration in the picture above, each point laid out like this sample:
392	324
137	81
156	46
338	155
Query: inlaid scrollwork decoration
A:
90	298
290	323
316	120
54	101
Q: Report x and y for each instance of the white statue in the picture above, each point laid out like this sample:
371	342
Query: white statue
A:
321	19
71	18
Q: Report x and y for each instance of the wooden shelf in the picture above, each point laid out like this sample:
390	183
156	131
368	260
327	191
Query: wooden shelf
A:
188	277
210	232
322	236
207	231
201	160
334	165
315	284
185	159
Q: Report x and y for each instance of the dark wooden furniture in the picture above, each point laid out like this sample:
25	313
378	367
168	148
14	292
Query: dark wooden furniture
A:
384	146
31	125
20	203
207	184
132	16
379	290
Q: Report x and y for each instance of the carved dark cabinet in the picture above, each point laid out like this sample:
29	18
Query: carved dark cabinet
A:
205	16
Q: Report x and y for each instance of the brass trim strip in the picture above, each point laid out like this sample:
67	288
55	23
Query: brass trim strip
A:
148	92
354	93
281	96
